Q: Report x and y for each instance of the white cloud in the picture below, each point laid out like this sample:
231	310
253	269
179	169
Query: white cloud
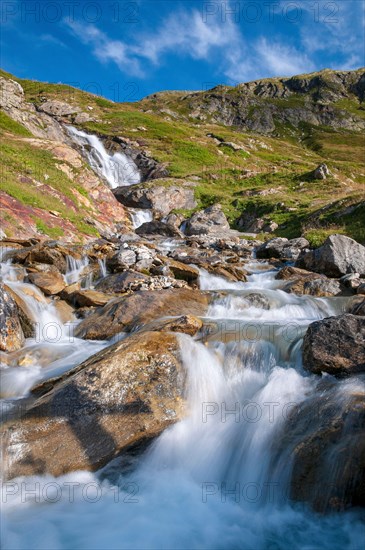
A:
185	33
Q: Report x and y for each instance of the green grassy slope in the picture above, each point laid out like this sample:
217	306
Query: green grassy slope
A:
167	126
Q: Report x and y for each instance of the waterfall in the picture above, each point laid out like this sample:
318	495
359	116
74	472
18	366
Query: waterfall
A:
102	267
117	169
75	268
140	216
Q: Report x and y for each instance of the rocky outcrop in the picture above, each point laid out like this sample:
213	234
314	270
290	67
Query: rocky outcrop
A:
124	314
324	438
335	345
258	106
282	248
123	396
13	103
210	220
321	172
337	256
118	283
161	198
11	333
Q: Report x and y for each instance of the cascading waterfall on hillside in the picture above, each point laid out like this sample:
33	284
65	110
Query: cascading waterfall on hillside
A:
117	168
207	481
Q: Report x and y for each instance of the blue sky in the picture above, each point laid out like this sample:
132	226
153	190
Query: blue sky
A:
126	50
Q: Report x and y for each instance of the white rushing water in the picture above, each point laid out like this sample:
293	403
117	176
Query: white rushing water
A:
206	482
140	216
117	168
53	349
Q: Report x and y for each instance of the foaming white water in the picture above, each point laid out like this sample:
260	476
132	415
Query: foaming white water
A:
140	216
74	268
102	267
207	482
53	348
117	168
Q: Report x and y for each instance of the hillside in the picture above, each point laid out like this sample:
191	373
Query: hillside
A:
252	148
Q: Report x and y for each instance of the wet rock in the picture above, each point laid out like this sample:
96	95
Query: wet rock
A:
158	228
123	314
11	333
48	282
301	281
121	260
256	299
119	283
358	308
338	256
325	438
89	298
210	220
64	310
48	255
161	198
183	271
124	395
321	286
335	345
175	220
361	289
282	248
187	324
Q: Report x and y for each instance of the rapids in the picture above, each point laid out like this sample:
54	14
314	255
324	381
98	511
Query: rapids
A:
207	482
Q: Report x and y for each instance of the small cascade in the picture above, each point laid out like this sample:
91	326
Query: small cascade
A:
102	267
75	268
140	216
117	169
52	349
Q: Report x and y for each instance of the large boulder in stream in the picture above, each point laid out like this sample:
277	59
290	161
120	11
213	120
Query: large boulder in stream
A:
335	345
161	198
11	333
210	220
301	281
282	248
126	313
337	256
324	440
117	400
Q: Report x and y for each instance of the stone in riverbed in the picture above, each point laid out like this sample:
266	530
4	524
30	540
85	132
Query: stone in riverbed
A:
207	221
301	281
121	397
118	283
338	256
11	333
89	298
159	228
325	438
49	283
335	345
124	314
282	248
187	324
